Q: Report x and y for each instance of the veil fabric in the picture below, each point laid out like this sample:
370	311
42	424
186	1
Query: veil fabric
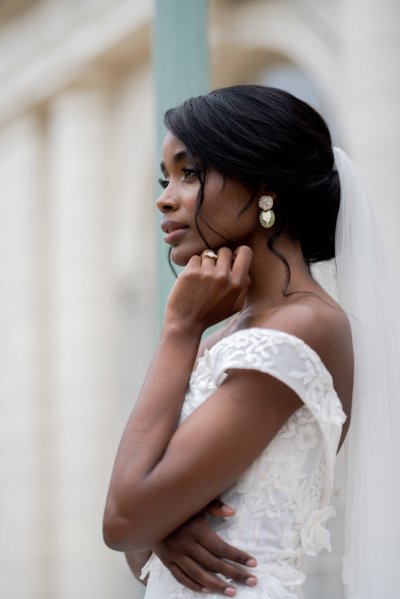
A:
368	292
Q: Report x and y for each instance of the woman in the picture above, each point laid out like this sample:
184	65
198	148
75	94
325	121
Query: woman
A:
251	199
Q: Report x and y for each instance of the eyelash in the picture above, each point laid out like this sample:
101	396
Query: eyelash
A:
187	174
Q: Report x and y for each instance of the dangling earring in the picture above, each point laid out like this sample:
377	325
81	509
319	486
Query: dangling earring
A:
267	215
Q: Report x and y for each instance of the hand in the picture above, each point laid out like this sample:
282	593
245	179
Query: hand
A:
194	553
208	291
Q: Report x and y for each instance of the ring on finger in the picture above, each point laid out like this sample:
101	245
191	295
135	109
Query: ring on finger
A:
208	254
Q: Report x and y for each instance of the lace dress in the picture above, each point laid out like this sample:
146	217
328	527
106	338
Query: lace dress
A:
282	499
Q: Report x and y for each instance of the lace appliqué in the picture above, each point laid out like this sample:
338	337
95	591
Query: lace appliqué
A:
282	500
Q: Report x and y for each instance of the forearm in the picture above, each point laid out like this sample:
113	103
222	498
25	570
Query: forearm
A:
149	429
155	485
136	560
155	417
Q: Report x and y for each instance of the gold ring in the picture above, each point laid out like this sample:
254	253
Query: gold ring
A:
208	254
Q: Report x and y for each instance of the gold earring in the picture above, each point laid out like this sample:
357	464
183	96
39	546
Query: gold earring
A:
267	215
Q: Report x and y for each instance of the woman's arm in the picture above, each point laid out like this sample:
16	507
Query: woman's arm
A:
155	416
194	553
136	560
203	458
163	475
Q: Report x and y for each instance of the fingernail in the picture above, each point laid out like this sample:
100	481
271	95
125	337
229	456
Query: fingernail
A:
230	592
204	590
251	562
251	581
227	510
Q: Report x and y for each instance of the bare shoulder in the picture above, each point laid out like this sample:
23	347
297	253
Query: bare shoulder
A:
325	327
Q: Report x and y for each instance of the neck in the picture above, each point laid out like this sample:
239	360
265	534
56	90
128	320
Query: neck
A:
269	276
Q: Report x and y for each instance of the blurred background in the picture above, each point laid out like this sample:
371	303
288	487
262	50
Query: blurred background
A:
82	271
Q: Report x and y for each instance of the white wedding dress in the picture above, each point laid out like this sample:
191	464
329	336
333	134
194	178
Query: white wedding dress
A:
282	499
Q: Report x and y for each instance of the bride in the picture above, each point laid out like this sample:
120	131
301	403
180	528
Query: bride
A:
253	195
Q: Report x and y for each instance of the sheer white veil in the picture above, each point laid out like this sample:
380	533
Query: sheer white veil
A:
368	292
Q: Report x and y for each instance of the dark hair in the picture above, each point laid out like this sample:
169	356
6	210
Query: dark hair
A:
266	137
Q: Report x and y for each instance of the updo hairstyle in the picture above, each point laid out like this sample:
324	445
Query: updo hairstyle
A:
267	138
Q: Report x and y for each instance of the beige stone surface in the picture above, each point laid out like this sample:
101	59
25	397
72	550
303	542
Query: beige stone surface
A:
77	239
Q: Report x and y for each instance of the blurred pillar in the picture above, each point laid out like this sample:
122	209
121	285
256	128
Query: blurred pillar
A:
371	102
181	71
23	522
82	343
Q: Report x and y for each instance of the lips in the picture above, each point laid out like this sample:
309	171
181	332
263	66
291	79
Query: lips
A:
174	231
169	226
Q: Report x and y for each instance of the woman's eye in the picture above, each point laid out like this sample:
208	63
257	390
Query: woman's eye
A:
164	183
188	173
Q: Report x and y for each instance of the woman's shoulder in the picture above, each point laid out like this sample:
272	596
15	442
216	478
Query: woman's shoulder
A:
322	325
325	328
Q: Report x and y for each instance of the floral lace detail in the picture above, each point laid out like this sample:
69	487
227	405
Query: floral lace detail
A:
282	500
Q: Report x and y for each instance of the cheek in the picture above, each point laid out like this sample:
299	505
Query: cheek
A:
189	198
228	197
230	210
222	211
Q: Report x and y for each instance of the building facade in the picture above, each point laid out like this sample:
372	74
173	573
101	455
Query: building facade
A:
78	232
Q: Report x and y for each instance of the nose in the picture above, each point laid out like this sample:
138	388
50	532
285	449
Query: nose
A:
166	202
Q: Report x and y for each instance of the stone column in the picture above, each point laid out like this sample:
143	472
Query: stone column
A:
178	49
82	350
24	534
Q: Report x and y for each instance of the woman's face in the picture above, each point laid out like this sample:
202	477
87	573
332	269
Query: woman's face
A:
220	219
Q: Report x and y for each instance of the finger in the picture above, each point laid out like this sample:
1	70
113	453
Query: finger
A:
211	563
207	538
181	577
213	543
207	580
219	509
194	261
242	261
193	264
208	259
224	262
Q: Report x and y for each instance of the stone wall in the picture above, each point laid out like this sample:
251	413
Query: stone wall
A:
77	239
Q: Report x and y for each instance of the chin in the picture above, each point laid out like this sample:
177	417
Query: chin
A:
181	256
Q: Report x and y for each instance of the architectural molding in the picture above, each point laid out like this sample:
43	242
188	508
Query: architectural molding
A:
253	31
54	64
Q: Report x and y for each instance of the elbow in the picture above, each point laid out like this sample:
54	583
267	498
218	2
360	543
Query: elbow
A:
114	531
124	534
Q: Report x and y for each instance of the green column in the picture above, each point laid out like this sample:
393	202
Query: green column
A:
181	70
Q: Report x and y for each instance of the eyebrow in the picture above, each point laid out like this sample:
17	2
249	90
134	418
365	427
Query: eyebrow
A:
178	157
